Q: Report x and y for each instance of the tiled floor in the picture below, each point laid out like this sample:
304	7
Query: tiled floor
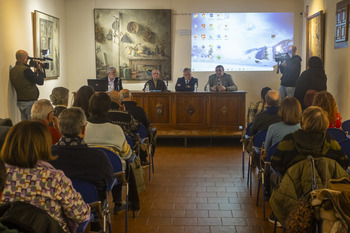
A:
198	188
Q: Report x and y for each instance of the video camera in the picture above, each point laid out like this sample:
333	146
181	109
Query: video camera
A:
280	58
34	60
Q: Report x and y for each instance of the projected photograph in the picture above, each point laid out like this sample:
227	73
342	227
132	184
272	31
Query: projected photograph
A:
239	41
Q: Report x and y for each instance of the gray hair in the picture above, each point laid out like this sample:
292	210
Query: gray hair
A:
110	69
71	122
187	69
41	109
59	96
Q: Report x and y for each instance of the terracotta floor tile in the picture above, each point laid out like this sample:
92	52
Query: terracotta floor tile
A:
220	213
173	213
230	207
217	200
225	184
171	229
206	194
234	221
163	206
144	229
195	200
185	221
216	189
185	206
154	221
207	206
223	229
197	229
209	221
197	213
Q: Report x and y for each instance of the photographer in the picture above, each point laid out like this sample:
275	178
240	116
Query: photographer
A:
24	81
290	69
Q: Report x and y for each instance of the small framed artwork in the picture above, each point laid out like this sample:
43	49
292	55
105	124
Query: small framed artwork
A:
341	39
46	42
315	35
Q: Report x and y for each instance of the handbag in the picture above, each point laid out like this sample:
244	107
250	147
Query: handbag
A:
301	218
138	173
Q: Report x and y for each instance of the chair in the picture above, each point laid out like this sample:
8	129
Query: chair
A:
143	137
246	137
345	146
258	142
346	126
89	193
130	142
338	134
265	168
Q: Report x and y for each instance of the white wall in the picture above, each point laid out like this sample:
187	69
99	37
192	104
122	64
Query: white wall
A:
81	46
336	60
16	33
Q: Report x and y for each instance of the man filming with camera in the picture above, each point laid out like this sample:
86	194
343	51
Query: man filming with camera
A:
290	69
24	80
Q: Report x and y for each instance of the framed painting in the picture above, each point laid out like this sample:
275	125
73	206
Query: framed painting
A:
46	42
315	35
134	42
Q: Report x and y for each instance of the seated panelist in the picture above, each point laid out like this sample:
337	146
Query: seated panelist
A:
155	84
221	81
187	82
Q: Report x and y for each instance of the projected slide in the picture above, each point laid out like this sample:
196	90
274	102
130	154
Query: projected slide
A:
239	41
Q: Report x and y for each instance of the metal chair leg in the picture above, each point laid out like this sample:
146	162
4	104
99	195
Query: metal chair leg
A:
127	207
257	195
263	193
249	166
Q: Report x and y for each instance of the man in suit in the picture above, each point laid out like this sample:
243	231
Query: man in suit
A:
155	83
114	82
187	82
221	81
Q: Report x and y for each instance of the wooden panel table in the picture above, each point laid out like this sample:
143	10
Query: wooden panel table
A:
194	114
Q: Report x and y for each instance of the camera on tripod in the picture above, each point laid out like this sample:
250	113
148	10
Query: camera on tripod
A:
34	60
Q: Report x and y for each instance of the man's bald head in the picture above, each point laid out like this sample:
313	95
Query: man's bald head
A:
273	98
21	56
115	96
125	95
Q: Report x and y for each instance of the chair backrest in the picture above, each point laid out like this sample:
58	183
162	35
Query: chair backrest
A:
345	146
113	158
272	151
142	131
259	138
346	126
338	134
130	141
87	190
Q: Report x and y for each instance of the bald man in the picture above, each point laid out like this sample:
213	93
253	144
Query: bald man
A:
24	80
156	84
264	119
290	70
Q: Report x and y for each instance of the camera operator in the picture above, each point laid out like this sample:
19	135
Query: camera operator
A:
291	71
24	80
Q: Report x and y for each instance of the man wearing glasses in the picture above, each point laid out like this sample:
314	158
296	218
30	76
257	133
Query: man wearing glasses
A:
155	84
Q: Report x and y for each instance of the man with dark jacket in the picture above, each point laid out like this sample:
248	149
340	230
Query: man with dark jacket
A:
264	119
24	80
187	82
155	84
114	82
291	71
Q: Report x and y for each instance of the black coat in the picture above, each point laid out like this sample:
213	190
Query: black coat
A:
310	79
137	112
117	83
183	86
291	71
160	85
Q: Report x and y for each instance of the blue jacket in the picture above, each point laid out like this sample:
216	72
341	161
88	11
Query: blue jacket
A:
183	86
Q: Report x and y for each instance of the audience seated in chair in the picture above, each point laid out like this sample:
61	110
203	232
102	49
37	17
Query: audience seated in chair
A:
326	101
290	114
42	110
82	97
59	98
260	106
26	152
264	119
118	115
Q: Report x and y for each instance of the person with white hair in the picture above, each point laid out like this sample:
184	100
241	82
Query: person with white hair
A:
114	82
42	110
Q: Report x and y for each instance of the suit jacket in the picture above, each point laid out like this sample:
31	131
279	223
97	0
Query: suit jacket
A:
160	85
183	86
117	83
226	81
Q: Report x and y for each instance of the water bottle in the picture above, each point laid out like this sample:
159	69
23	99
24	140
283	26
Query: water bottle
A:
195	87
207	87
147	87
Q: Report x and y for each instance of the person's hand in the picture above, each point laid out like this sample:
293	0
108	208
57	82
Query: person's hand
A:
284	63
222	88
179	85
213	88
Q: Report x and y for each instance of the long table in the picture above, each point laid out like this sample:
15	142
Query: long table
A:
194	114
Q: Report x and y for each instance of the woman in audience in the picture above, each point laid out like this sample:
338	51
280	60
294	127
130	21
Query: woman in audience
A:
311	139
290	114
314	78
326	101
33	180
59	98
82	99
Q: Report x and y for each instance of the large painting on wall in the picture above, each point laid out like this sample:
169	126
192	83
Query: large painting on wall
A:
46	41
315	35
133	41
